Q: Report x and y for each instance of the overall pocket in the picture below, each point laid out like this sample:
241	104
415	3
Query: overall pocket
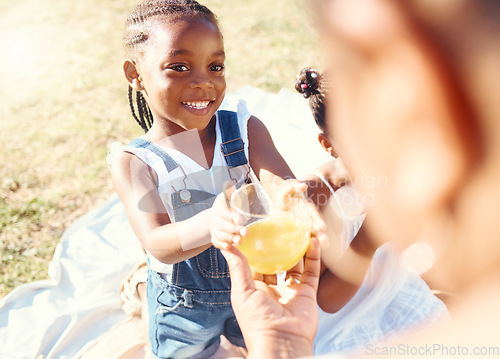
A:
212	264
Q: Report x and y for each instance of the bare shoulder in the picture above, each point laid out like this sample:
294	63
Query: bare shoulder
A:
258	135
121	164
255	124
126	166
262	151
257	130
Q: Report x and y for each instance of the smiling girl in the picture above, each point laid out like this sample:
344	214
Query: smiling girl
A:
169	179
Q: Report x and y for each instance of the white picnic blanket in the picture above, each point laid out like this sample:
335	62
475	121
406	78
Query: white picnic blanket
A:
59	316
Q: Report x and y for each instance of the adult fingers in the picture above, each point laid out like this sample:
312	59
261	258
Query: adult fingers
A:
295	273
242	283
312	265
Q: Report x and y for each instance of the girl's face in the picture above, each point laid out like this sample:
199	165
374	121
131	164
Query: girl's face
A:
182	71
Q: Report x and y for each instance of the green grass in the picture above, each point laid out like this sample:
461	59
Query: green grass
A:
63	102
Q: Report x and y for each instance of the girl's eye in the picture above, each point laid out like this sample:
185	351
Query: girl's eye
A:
178	68
217	68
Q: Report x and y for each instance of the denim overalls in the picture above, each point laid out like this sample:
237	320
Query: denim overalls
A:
190	307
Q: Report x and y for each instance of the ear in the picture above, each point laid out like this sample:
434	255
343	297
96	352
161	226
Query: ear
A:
132	74
327	144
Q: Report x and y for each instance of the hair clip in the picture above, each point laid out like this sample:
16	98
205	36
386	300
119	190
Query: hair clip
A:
303	86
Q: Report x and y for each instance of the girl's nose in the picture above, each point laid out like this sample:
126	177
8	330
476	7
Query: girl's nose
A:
202	80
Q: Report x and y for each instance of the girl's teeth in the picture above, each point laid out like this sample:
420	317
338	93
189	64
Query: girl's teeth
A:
197	105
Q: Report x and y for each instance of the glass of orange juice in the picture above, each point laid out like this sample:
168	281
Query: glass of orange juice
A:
277	237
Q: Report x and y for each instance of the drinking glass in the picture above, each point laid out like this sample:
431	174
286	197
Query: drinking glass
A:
278	226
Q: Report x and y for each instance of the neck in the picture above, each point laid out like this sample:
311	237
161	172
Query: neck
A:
208	137
163	129
474	320
208	132
196	144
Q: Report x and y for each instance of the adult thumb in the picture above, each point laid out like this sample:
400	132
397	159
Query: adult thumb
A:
242	284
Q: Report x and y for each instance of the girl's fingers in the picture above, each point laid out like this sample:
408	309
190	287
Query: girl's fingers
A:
220	244
221	239
223	229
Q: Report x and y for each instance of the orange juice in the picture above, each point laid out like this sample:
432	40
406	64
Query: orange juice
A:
275	244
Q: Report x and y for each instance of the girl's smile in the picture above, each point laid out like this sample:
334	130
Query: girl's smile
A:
199	108
197	105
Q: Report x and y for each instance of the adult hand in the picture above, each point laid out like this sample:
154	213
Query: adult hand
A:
277	321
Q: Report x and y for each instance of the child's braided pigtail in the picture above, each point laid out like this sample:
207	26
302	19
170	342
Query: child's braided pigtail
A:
144	123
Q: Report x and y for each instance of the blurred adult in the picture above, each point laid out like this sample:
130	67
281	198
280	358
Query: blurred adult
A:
415	102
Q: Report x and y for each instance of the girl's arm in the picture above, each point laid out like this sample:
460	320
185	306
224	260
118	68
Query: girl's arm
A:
135	183
263	154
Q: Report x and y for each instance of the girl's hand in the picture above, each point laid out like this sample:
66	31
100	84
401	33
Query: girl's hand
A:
225	227
290	196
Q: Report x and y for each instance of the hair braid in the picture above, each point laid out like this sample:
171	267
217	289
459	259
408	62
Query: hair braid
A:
147	114
139	119
136	29
143	109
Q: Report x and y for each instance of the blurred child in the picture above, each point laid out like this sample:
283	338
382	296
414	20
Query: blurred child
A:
364	300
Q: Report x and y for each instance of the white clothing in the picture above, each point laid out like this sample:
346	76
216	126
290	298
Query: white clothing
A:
392	300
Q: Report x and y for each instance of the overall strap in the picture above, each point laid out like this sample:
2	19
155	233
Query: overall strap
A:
170	164
232	146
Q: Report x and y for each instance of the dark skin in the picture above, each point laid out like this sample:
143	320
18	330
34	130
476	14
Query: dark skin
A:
335	292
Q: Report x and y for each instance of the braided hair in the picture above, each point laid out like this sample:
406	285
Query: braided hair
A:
137	35
310	83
